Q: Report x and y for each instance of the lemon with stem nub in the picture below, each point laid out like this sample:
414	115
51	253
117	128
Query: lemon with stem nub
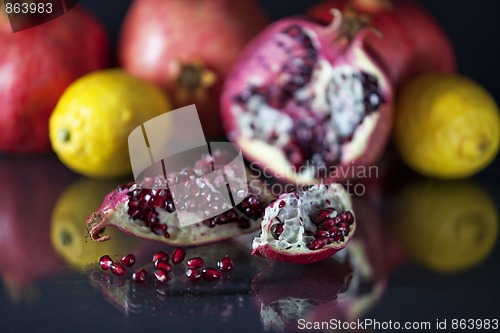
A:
446	126
90	125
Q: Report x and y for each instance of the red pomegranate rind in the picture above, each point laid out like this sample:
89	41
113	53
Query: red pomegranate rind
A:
304	99
400	45
300	221
146	212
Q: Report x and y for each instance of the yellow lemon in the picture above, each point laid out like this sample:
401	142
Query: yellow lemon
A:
90	125
447	226
69	236
446	126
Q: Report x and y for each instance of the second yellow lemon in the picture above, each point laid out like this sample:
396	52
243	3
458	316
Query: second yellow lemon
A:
447	126
90	125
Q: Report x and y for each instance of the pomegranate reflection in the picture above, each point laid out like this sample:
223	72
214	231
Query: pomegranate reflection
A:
30	187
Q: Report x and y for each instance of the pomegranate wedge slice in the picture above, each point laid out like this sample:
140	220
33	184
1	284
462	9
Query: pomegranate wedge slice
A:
306	226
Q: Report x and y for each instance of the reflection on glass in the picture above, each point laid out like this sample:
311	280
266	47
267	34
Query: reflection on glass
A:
447	226
30	187
68	233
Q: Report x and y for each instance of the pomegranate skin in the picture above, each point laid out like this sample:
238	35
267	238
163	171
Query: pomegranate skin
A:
298	258
366	153
36	66
404	52
160	36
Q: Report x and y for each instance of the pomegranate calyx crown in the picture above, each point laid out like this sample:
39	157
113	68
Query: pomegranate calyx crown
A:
348	25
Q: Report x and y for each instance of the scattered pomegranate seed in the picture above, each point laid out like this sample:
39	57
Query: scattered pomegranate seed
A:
196	262
161	275
128	260
211	274
193	274
117	268
105	262
178	255
160	255
225	264
163	264
140	276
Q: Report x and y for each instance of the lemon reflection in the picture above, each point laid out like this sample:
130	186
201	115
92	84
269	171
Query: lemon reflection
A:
448	226
68	233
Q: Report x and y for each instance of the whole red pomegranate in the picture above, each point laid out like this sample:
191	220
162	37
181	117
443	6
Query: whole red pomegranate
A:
36	66
188	47
307	103
412	41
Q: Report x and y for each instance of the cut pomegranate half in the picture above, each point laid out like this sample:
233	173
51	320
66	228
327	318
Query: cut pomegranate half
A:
306	226
148	209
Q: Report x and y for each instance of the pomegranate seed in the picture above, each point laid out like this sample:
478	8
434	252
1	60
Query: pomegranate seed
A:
277	230
317	244
344	227
225	264
321	234
338	238
160	255
178	255
161	275
105	261
196	262
163	264
347	217
334	231
117	269
211	274
282	204
128	260
328	224
140	276
193	274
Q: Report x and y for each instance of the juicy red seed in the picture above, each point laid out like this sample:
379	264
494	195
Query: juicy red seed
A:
105	261
160	255
321	234
178	255
318	244
225	264
338	238
196	262
328	224
344	227
277	230
163	264
347	217
161	275
282	204
211	274
193	274
140	276
128	260
334	231
117	269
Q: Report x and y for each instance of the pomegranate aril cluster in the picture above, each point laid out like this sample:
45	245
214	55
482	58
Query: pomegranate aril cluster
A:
196	196
332	227
162	266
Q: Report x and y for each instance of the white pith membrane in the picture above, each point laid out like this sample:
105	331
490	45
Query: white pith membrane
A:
295	216
114	211
333	95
